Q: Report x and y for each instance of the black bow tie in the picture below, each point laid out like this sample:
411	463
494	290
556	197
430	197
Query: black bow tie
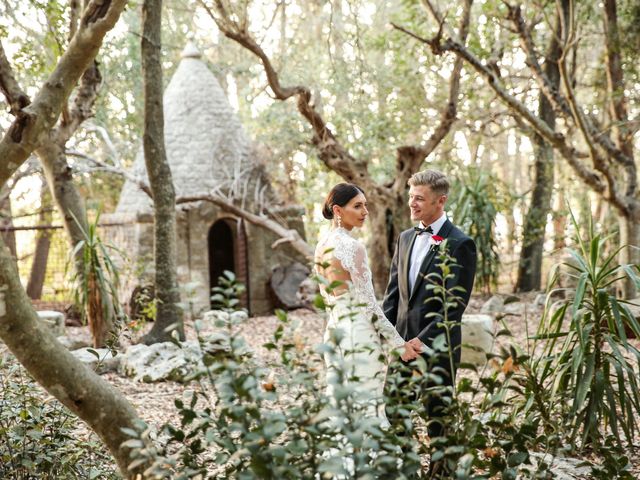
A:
424	230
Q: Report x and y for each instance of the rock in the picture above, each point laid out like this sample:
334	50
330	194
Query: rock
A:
53	321
492	306
105	361
238	316
71	343
568	276
307	292
160	361
215	315
563	468
285	283
554	295
477	338
511	299
516	308
168	361
540	300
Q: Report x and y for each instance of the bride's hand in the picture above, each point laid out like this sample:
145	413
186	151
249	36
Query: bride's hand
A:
417	344
409	353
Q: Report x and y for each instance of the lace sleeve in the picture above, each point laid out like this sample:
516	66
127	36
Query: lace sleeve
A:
354	260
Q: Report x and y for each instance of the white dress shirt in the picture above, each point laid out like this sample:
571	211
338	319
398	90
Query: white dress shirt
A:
421	248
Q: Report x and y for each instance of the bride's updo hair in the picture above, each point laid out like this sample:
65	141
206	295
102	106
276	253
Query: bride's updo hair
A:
339	195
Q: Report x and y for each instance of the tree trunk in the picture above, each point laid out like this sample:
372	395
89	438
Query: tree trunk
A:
71	205
88	396
43	242
67	197
530	264
160	181
105	410
630	254
6	221
379	256
559	220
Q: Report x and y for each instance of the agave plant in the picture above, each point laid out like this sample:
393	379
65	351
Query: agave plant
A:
588	362
475	203
96	284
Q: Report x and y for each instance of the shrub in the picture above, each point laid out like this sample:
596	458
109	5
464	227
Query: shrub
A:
226	296
272	421
588	363
476	201
37	438
253	419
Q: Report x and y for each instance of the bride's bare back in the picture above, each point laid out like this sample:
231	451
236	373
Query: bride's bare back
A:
330	268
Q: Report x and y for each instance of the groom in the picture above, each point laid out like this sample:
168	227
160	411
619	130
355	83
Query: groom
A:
408	304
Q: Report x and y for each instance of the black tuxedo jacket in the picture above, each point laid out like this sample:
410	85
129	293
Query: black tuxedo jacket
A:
408	310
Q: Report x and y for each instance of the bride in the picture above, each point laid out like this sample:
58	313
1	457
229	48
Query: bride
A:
365	337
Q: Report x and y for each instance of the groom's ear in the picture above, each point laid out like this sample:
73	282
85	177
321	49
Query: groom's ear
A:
443	199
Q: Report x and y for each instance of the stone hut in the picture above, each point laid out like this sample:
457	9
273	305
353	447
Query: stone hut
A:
209	153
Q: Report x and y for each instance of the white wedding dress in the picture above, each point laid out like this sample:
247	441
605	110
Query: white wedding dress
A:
367	337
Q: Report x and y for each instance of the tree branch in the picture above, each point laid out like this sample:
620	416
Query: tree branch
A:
600	163
286	235
410	158
332	152
593	136
26	133
16	98
617	98
555	138
526	42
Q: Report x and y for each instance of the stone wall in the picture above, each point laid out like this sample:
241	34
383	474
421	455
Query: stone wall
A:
135	239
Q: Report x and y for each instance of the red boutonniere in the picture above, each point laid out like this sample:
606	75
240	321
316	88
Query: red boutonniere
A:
437	239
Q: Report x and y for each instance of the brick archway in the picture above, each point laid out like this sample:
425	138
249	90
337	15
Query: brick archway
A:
227	248
221	251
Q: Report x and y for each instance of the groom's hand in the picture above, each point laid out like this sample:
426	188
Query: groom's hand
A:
409	353
417	344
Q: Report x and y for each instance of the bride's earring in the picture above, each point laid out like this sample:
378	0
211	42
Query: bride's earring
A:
339	221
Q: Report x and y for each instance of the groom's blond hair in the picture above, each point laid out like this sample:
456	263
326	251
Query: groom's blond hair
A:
431	178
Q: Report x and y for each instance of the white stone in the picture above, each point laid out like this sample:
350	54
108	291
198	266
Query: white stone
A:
477	332
190	51
105	361
494	305
540	300
516	308
72	343
168	361
214	315
562	468
238	316
160	361
53	321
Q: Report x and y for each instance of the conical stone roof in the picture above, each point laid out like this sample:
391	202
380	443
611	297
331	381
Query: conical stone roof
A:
206	146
